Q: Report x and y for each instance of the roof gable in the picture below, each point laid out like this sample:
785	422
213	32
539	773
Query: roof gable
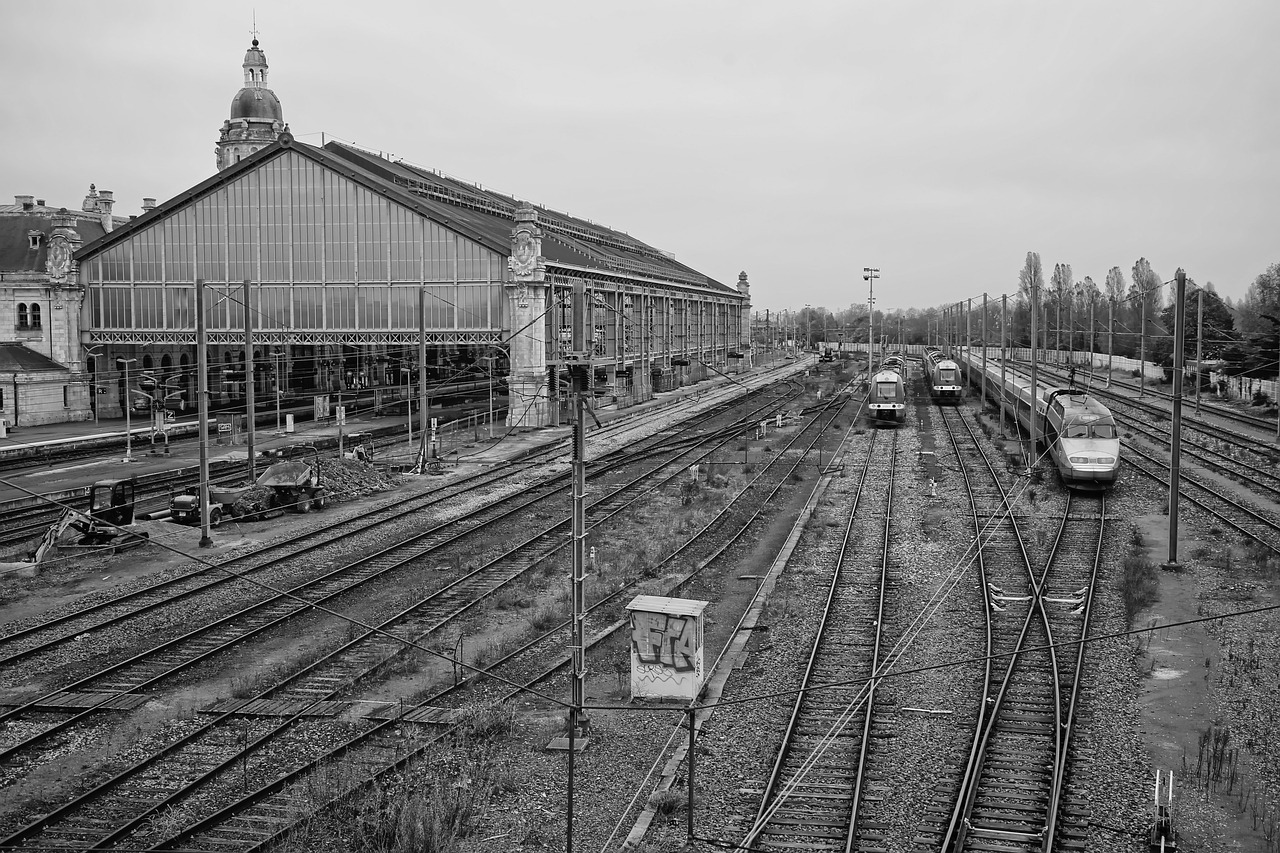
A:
18	358
476	213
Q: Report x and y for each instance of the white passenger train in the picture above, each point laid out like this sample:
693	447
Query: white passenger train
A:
942	375
1077	431
887	394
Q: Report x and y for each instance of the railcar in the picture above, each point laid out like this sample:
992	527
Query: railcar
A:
1077	431
942	375
887	394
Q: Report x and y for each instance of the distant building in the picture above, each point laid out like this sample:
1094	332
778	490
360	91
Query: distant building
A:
42	363
256	120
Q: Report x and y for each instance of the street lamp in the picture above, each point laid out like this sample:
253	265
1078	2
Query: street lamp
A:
128	409
492	360
93	386
275	364
869	275
405	373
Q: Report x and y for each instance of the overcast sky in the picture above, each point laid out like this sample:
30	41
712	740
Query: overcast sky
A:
799	141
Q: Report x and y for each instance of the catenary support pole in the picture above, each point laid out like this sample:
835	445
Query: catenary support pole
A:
202	409
1175	442
1004	355
1142	347
1111	336
983	378
1200	343
424	399
250	402
1034	413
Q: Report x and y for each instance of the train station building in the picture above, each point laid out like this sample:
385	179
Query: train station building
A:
341	260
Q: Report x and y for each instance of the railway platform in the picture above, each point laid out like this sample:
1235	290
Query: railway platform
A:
459	441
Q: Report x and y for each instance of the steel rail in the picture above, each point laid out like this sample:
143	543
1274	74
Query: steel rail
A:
1187	479
282	606
296	545
490	578
862	697
960	826
280	785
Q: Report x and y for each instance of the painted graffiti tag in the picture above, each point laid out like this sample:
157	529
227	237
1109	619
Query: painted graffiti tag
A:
657	638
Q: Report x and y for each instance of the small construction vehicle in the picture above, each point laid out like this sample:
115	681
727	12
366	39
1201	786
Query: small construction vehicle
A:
102	528
295	484
358	446
184	508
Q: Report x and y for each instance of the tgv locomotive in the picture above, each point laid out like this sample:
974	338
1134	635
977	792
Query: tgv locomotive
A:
1076	430
942	375
887	397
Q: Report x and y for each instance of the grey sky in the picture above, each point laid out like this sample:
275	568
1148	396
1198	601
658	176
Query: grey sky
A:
797	141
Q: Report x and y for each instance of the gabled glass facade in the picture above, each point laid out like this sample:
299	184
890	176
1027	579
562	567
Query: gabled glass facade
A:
327	257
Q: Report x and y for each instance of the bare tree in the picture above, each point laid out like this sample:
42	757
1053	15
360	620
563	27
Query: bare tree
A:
1060	287
1031	279
1115	284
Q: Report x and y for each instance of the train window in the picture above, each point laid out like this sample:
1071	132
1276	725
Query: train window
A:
946	374
1077	431
1103	431
886	390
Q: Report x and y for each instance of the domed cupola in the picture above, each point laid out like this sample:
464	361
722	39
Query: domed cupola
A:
256	116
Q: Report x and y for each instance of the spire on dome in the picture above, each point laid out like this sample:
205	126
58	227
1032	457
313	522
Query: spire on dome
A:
255	67
256	118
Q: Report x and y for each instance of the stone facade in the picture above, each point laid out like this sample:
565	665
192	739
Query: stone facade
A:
41	306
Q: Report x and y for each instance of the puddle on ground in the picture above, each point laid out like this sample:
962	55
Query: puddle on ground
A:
1164	673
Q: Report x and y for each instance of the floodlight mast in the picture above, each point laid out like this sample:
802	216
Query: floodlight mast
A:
869	275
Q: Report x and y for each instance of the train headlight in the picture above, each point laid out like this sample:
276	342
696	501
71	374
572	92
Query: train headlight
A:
1106	460
1079	460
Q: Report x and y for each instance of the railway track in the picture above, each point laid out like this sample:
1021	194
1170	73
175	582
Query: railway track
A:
133	676
814	793
1012	792
1257	525
359	658
268	815
68	628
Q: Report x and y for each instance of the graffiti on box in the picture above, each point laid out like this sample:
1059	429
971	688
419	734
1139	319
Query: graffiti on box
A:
670	642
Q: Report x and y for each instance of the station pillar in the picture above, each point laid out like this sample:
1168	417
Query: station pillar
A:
528	398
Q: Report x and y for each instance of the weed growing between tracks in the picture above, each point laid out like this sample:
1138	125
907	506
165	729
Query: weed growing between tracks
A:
1138	583
429	809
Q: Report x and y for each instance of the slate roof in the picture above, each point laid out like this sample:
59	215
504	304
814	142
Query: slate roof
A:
16	223
480	214
17	358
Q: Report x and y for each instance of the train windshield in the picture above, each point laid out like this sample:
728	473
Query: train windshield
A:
1103	431
886	390
946	374
1076	431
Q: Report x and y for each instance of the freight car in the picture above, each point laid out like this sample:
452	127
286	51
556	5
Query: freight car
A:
1077	432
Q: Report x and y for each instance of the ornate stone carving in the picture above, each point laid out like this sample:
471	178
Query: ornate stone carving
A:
527	263
59	264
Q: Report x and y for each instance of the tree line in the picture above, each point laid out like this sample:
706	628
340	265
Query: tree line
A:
1244	336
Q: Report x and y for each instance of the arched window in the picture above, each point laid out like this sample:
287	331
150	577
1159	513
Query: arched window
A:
146	362
35	315
22	315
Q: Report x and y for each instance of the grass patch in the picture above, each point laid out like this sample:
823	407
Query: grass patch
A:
1138	582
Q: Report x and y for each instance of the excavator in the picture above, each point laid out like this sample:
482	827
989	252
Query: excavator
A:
103	528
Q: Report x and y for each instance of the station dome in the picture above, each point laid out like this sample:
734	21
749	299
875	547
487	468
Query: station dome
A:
259	103
256	118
